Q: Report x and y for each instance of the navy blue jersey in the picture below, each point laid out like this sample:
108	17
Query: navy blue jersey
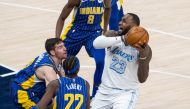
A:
85	26
26	88
88	16
72	94
27	79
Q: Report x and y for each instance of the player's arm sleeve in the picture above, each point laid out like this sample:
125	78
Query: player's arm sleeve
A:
105	42
50	93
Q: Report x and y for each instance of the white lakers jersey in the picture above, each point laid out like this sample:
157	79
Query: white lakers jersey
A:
120	70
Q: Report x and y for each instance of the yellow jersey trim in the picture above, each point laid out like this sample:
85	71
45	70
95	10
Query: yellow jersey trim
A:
24	100
55	103
28	83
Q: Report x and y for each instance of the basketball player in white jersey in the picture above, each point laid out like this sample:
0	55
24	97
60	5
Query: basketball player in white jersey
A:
125	67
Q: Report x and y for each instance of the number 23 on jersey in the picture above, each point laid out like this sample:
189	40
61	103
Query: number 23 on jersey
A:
118	65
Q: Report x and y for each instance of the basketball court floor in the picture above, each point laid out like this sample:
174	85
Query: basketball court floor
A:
26	24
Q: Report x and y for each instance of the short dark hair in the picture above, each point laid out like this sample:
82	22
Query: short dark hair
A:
50	44
71	65
135	18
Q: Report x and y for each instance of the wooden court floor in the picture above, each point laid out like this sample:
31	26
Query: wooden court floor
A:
26	24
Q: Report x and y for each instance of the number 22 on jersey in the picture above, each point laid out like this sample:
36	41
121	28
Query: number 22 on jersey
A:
72	98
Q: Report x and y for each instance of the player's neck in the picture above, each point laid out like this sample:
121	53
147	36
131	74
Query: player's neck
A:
56	60
71	76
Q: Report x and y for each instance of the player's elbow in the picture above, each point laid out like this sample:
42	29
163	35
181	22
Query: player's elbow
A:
142	80
95	44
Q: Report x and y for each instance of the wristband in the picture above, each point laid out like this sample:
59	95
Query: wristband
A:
142	58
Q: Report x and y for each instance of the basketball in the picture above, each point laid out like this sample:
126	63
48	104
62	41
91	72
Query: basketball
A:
137	34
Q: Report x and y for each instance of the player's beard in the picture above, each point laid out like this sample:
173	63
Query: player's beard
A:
125	31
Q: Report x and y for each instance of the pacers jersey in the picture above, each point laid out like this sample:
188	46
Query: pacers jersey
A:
120	71
88	15
27	79
118	2
72	94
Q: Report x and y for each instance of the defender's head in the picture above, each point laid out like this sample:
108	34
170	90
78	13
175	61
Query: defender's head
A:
71	66
55	47
128	21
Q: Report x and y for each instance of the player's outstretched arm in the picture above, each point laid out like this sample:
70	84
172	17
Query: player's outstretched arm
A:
107	14
144	60
105	42
88	99
50	93
64	14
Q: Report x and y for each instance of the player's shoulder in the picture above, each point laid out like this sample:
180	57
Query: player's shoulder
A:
74	2
43	58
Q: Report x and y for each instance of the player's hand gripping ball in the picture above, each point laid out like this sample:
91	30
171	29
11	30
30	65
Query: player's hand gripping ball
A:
135	35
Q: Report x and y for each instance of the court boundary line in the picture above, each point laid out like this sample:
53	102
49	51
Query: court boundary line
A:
7	67
8	74
84	66
28	7
169	34
56	11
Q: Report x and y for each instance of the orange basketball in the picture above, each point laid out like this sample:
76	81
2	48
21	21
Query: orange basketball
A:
136	34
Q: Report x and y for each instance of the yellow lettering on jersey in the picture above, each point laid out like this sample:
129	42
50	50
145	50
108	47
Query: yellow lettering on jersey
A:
98	10
66	98
80	98
77	97
94	10
82	11
91	10
102	10
87	10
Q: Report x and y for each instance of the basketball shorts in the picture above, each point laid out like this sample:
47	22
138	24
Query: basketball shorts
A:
75	39
125	99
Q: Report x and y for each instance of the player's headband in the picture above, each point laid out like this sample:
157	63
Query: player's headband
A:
75	66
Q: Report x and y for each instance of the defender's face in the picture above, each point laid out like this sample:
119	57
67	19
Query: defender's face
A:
60	51
126	23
